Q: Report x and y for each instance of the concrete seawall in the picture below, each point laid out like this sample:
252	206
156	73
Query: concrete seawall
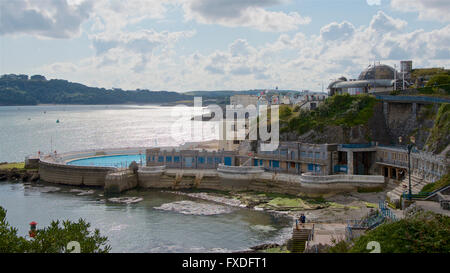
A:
227	178
256	179
73	175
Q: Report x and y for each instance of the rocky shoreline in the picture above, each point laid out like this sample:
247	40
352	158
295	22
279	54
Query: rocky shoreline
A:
18	175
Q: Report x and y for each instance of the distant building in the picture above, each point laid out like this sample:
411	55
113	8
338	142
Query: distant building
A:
244	100
285	100
374	79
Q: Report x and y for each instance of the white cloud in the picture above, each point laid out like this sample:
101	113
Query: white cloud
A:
139	45
384	23
437	10
45	18
335	31
374	2
243	13
114	15
292	61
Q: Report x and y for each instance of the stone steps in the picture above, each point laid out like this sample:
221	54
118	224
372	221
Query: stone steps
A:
417	184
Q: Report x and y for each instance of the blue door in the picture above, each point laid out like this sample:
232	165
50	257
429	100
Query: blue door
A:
276	164
227	161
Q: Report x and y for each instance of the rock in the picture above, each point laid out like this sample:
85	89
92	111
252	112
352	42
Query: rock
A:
265	246
3	177
194	208
26	177
82	192
134	167
35	177
126	200
14	175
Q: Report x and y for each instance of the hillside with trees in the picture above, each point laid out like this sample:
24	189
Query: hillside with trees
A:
24	90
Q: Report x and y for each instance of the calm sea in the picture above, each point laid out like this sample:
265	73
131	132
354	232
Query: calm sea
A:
130	228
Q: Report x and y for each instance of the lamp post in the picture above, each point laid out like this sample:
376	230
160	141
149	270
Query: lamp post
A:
410	147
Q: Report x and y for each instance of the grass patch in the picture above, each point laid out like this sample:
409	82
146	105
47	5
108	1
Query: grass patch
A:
339	110
444	181
371	205
9	166
287	202
276	250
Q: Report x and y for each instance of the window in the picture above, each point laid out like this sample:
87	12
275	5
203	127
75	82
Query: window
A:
218	160
317	155
161	159
168	159
210	160
176	159
201	160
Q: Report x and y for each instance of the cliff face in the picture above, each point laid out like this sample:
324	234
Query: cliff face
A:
388	122
439	138
375	129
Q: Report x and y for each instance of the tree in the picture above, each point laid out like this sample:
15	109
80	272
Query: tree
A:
53	239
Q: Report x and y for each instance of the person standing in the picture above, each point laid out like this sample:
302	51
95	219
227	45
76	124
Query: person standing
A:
303	218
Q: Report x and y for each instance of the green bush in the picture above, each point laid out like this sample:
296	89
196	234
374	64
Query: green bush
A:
444	181
438	84
341	110
425	232
53	239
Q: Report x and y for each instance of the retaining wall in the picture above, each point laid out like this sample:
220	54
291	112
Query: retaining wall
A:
73	175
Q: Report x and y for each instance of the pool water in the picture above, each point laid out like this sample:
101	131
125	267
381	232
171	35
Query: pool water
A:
117	161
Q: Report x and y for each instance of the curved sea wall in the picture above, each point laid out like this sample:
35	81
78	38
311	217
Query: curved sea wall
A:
227	178
73	175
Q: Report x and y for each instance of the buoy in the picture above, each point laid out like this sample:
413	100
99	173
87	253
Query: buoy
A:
57	121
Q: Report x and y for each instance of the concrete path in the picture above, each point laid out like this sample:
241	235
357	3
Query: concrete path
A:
432	206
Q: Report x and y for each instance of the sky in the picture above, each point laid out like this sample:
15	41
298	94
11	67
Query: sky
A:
184	45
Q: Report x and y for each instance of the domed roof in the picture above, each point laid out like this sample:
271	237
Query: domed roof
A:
378	72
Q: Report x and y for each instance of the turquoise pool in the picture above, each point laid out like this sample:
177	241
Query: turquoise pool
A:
118	161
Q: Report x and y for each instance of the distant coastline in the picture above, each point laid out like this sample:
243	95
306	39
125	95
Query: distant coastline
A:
22	90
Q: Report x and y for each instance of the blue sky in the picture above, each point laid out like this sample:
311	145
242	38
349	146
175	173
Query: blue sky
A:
185	45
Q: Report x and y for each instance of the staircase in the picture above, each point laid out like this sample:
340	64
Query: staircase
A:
299	239
417	184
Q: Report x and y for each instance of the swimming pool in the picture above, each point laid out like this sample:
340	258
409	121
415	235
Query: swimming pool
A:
117	161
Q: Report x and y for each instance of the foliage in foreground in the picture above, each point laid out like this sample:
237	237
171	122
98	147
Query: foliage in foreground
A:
53	239
425	232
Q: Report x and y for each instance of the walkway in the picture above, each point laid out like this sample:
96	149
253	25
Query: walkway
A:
432	206
412	99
